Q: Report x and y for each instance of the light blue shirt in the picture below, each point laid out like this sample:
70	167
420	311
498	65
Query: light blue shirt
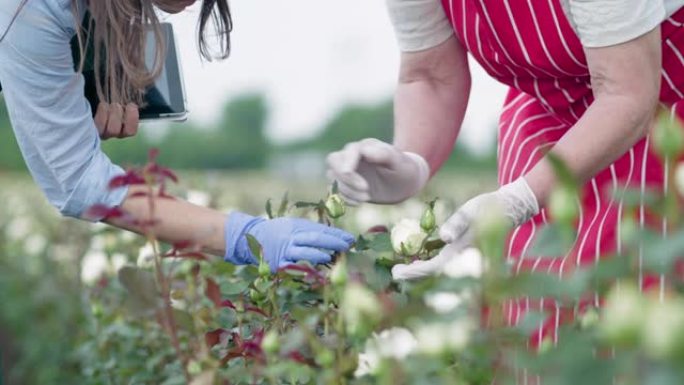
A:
50	116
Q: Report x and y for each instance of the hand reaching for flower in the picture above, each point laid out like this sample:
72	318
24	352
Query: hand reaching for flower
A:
516	202
285	241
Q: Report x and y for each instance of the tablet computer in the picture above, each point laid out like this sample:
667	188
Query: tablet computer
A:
165	99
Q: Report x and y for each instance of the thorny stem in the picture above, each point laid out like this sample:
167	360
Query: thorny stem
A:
164	286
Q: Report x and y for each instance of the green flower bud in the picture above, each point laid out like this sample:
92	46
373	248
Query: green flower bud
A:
623	316
663	333
325	358
668	138
256	296
264	269
97	310
589	319
427	221
338	274
360	309
546	345
271	344
335	206
563	205
194	368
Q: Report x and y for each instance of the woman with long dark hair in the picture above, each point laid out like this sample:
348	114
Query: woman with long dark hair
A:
60	141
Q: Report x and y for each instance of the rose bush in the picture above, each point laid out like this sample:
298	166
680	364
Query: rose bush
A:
172	315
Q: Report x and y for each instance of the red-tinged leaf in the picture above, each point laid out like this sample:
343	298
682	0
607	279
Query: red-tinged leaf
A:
182	245
256	310
161	173
379	229
152	155
140	194
227	303
168	174
213	338
297	357
104	212
310	273
231	355
131	177
191	255
213	292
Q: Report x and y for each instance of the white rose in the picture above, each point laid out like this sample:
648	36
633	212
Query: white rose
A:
394	343
360	307
469	263
407	237
444	302
439	338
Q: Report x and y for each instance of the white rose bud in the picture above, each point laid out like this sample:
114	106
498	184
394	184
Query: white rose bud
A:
663	334
394	343
360	308
407	237
440	338
623	316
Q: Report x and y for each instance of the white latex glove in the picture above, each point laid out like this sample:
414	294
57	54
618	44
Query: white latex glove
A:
518	204
377	172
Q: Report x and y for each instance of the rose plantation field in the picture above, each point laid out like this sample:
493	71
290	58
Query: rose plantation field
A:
86	304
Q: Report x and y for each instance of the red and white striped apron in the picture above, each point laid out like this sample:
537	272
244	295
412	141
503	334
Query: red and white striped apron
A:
530	46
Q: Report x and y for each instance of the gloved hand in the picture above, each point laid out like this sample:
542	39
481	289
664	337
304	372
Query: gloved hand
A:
284	240
518	204
377	172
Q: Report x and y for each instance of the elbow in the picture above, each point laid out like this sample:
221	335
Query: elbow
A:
636	109
88	188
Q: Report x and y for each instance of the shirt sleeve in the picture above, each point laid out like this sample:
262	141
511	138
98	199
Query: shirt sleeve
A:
602	23
419	24
50	116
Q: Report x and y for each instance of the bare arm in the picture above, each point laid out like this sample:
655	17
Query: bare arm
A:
176	221
431	99
626	82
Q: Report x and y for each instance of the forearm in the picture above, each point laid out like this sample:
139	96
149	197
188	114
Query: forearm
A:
625	79
430	103
608	129
175	221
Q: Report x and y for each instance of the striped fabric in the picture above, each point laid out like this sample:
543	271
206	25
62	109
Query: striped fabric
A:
530	46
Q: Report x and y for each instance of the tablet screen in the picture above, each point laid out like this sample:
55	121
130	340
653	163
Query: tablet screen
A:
164	99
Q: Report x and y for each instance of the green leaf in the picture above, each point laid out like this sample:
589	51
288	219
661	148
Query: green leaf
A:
269	209
255	247
303	205
141	287
282	210
183	320
552	240
562	171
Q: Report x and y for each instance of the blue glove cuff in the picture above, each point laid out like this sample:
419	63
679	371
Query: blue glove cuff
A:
237	249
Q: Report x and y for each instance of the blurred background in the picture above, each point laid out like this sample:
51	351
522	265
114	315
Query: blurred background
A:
303	79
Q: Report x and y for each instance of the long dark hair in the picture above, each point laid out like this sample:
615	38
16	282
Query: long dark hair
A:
119	28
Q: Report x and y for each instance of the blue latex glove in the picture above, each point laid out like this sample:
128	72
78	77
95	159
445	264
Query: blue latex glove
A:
284	240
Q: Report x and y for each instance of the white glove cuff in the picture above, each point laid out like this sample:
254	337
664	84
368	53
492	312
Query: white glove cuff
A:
521	203
423	169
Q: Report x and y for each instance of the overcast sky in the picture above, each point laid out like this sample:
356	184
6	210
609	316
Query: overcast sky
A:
310	57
